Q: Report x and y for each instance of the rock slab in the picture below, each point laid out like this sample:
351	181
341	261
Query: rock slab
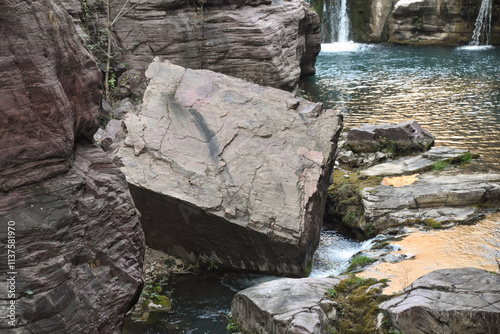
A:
448	301
402	137
443	198
229	172
286	306
79	250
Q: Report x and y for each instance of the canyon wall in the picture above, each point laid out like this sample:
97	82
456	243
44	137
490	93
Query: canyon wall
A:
267	42
67	220
447	22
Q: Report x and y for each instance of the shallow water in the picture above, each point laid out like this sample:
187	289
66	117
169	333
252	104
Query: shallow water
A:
453	92
462	246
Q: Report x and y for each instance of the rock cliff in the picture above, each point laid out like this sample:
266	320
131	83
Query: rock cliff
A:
50	92
419	21
267	42
229	172
66	215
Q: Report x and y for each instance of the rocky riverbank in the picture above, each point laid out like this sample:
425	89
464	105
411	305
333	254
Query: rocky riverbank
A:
338	304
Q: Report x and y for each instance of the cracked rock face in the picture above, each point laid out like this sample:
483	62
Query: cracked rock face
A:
229	172
49	92
448	301
286	306
79	250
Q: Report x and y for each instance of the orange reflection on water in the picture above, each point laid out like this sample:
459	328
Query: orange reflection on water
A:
461	246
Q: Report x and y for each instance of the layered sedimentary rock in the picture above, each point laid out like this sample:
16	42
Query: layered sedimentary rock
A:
66	217
267	42
78	250
441	198
437	21
50	92
286	306
229	172
459	301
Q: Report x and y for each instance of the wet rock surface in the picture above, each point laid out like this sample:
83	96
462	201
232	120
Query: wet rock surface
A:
79	250
229	172
464	300
286	306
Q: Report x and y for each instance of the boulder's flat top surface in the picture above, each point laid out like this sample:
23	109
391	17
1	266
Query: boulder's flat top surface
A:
249	153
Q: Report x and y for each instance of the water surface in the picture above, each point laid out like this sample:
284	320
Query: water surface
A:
453	92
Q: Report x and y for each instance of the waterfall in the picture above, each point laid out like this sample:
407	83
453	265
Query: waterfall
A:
482	30
336	25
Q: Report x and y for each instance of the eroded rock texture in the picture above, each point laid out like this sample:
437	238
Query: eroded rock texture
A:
267	42
79	250
229	172
66	208
50	92
458	301
438	21
286	306
442	198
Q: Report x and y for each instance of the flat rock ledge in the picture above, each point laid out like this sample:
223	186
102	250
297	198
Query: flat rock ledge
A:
440	198
458	301
286	306
229	172
416	164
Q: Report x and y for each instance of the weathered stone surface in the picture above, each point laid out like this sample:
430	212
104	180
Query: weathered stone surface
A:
448	301
442	198
267	42
79	250
416	164
286	306
404	137
49	92
229	172
437	21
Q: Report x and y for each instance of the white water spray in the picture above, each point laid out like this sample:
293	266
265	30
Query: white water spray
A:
336	17
482	30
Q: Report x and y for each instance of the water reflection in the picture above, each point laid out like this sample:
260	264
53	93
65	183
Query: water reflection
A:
453	92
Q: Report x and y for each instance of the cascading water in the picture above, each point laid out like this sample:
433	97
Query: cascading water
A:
337	27
482	30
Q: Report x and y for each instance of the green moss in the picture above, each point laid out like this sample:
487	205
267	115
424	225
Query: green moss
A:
357	306
440	165
360	261
432	223
344	204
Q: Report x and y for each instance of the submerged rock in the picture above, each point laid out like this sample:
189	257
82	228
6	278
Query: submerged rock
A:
403	137
458	301
286	306
228	172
